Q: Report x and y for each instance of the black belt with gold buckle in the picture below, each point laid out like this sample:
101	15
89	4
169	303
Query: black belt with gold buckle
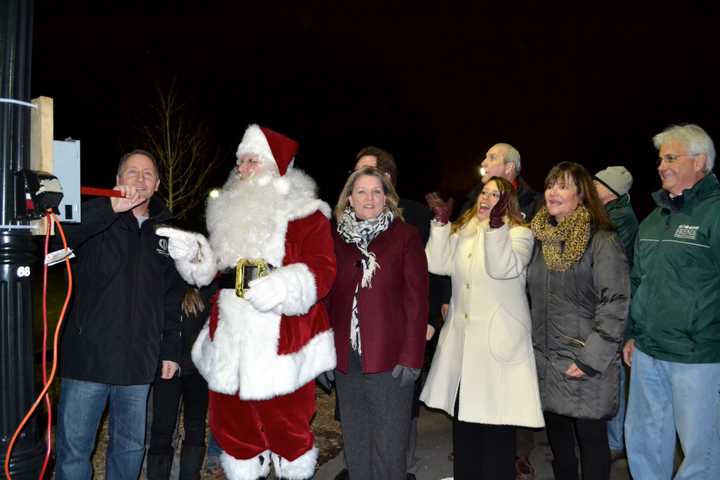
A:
245	271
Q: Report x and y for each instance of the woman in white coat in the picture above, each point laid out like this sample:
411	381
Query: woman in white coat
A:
483	372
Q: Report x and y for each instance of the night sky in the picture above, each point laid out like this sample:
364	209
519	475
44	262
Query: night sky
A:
436	84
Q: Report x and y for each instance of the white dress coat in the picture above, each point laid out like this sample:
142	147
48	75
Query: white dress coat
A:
485	350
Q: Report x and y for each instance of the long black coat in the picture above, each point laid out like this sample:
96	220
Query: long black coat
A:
579	316
117	330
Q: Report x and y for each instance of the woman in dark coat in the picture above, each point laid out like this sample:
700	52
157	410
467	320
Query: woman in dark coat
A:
579	290
378	311
192	305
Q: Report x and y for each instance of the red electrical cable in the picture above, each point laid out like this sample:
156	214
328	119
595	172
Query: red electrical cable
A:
47	382
48	403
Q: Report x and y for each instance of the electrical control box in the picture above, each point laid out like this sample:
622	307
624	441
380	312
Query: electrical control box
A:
66	167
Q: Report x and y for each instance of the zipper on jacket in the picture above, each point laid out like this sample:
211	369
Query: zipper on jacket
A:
136	265
547	321
575	341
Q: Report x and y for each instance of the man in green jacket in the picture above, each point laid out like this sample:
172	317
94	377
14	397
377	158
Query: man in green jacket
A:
613	186
674	323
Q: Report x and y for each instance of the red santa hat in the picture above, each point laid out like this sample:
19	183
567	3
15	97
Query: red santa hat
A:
271	147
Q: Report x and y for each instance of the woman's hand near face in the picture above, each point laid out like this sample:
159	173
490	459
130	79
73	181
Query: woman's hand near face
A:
499	211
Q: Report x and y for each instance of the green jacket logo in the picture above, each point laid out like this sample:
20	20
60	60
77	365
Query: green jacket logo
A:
687	232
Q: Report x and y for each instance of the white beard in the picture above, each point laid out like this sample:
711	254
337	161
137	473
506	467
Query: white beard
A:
243	220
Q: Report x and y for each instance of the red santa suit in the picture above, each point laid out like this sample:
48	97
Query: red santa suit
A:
260	363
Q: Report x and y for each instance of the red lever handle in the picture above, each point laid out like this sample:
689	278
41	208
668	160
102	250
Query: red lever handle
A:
100	192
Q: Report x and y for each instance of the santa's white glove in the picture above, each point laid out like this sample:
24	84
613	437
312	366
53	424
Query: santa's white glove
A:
182	245
266	293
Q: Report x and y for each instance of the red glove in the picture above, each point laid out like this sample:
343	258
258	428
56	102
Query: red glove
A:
499	210
440	208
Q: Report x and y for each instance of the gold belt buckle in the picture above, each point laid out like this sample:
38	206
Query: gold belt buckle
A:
246	271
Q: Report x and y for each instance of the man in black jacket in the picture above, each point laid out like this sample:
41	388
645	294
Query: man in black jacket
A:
117	331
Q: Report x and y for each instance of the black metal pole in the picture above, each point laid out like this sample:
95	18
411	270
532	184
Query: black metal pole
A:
17	249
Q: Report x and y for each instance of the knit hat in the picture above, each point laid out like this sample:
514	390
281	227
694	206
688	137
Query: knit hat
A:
617	179
271	147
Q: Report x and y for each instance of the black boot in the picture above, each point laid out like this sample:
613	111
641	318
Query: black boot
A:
158	465
565	471
191	460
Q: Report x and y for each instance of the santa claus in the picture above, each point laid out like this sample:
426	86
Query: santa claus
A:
268	336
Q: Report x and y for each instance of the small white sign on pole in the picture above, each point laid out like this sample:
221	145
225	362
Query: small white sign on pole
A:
66	167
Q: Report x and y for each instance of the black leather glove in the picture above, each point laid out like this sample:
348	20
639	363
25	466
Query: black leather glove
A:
407	375
326	380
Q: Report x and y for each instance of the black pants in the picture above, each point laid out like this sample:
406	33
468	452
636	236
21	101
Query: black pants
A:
193	390
593	442
483	451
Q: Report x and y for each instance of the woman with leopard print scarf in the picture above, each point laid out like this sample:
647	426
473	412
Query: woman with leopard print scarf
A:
578	283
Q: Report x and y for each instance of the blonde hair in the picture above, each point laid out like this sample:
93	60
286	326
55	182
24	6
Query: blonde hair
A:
391	196
192	303
513	214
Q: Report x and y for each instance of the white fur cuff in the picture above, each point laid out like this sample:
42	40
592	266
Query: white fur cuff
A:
300	287
250	469
301	468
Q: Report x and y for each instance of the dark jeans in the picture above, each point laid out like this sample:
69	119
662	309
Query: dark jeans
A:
193	390
593	442
81	407
483	451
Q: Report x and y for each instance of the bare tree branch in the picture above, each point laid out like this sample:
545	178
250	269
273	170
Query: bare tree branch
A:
183	150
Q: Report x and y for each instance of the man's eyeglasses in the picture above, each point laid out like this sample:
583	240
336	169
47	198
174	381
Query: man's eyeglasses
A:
247	160
669	158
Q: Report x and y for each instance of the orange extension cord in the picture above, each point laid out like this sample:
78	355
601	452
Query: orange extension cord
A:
47	381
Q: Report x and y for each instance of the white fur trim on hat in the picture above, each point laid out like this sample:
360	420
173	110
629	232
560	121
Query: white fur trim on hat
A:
254	142
282	185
